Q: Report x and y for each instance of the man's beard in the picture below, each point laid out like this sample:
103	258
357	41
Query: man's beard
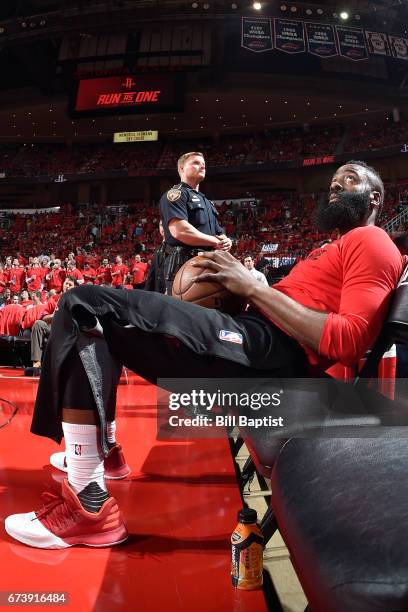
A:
348	211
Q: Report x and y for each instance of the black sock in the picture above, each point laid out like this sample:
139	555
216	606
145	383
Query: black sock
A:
93	497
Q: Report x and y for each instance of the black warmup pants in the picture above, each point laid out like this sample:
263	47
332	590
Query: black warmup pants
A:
154	335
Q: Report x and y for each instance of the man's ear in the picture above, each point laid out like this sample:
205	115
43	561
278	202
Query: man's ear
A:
375	196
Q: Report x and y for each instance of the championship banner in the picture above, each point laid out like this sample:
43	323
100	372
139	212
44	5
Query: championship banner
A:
351	43
399	47
256	34
289	36
377	43
321	40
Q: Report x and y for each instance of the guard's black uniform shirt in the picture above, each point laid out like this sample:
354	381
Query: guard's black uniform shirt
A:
183	202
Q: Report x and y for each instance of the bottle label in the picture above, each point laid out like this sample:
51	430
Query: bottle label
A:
247	560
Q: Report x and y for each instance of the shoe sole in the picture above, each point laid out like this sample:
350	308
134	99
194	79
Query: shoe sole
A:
55	542
117	477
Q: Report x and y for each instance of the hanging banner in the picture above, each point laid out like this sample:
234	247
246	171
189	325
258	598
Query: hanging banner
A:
351	43
377	43
399	47
135	136
321	40
256	34
289	36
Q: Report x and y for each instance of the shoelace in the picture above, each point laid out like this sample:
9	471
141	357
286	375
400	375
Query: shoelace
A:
56	512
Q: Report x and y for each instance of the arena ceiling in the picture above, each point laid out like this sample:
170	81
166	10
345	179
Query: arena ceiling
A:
33	102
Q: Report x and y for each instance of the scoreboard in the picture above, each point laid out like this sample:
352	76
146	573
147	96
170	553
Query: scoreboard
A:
133	94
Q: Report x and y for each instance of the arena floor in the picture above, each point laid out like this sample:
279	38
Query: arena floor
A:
179	503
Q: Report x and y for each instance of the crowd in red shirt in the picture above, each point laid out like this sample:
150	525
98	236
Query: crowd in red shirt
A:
116	250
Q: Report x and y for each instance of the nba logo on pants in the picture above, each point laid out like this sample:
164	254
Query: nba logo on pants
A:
78	449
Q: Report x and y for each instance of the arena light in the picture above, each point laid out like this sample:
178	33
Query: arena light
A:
344	15
234	6
357	17
194	5
319	11
283	7
309	11
257	6
293	9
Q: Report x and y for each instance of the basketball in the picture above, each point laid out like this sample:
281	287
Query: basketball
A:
208	294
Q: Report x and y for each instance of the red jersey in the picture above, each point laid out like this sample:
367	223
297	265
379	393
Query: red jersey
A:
43	273
35	276
352	279
89	275
33	314
80	260
3	281
15	279
139	272
11	317
56	279
118	279
76	274
103	275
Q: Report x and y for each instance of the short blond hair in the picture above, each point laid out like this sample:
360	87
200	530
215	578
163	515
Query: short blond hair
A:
185	156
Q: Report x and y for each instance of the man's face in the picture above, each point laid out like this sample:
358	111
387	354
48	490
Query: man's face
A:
24	295
7	294
15	299
68	284
105	262
349	203
193	169
138	259
249	263
118	260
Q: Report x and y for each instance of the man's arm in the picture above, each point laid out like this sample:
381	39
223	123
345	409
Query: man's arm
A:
187	234
371	266
302	323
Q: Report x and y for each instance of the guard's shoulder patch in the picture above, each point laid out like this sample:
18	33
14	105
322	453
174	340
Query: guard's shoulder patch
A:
173	194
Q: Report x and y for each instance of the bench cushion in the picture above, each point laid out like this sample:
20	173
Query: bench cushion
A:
342	509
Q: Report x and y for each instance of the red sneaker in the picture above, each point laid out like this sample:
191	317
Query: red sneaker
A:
63	522
115	463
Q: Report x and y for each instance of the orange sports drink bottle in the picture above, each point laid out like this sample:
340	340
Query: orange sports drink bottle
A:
247	552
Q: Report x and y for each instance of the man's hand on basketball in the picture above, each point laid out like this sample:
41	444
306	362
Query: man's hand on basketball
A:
224	243
223	268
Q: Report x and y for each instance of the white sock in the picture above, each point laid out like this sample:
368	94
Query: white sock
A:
111	431
84	457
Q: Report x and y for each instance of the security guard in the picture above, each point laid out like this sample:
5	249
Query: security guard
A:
189	219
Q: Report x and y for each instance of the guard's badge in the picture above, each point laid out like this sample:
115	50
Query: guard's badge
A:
173	195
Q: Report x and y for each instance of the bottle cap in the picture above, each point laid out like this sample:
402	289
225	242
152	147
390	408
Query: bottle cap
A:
247	515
